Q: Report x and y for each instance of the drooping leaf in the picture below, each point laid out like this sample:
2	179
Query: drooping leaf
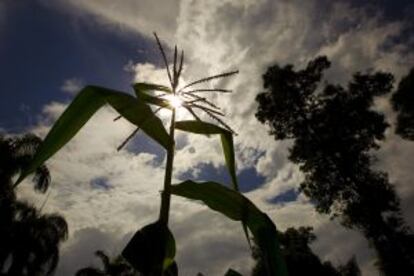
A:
152	250
237	207
81	109
226	137
200	127
154	100
139	114
143	89
147	87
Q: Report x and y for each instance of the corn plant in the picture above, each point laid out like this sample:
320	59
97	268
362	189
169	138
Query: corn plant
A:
152	249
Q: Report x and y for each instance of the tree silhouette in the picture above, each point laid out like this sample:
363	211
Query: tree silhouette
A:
16	153
29	240
335	131
300	260
115	267
403	103
350	269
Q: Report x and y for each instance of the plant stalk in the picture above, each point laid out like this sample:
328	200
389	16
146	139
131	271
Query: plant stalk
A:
166	193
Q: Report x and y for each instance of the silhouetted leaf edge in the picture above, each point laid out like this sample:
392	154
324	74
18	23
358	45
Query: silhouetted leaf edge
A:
237	207
81	109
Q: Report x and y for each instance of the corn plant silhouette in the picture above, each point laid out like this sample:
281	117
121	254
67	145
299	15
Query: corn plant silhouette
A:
152	249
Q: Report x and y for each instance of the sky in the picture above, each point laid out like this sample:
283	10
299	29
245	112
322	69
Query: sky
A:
49	50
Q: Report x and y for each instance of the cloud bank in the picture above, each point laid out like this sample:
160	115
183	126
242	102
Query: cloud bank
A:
107	195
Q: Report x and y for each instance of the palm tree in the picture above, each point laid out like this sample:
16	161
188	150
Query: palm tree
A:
16	152
29	240
115	267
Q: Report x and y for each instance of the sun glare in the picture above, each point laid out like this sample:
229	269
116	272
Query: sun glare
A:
174	101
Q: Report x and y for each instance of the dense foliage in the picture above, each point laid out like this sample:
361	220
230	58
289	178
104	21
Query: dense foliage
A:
403	102
29	240
300	260
335	131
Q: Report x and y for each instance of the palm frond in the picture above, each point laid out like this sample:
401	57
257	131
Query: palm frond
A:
25	145
41	178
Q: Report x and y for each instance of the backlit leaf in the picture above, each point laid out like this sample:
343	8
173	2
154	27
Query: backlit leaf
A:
81	109
237	207
151	250
226	136
200	127
142	92
146	87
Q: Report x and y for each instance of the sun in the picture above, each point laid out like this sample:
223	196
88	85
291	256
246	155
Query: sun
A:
174	101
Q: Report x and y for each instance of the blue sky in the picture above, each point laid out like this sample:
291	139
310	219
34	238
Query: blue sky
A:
44	47
105	195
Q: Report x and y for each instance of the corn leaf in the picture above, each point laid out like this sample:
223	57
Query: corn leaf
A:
142	89
146	87
226	136
152	250
237	207
200	127
81	109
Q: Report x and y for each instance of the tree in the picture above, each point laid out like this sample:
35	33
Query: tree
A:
29	240
115	267
16	153
334	132
300	260
403	103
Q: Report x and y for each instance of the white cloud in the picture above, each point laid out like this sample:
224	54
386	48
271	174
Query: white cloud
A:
72	86
111	216
219	36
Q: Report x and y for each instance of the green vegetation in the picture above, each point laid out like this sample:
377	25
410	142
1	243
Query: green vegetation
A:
29	240
152	249
335	132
